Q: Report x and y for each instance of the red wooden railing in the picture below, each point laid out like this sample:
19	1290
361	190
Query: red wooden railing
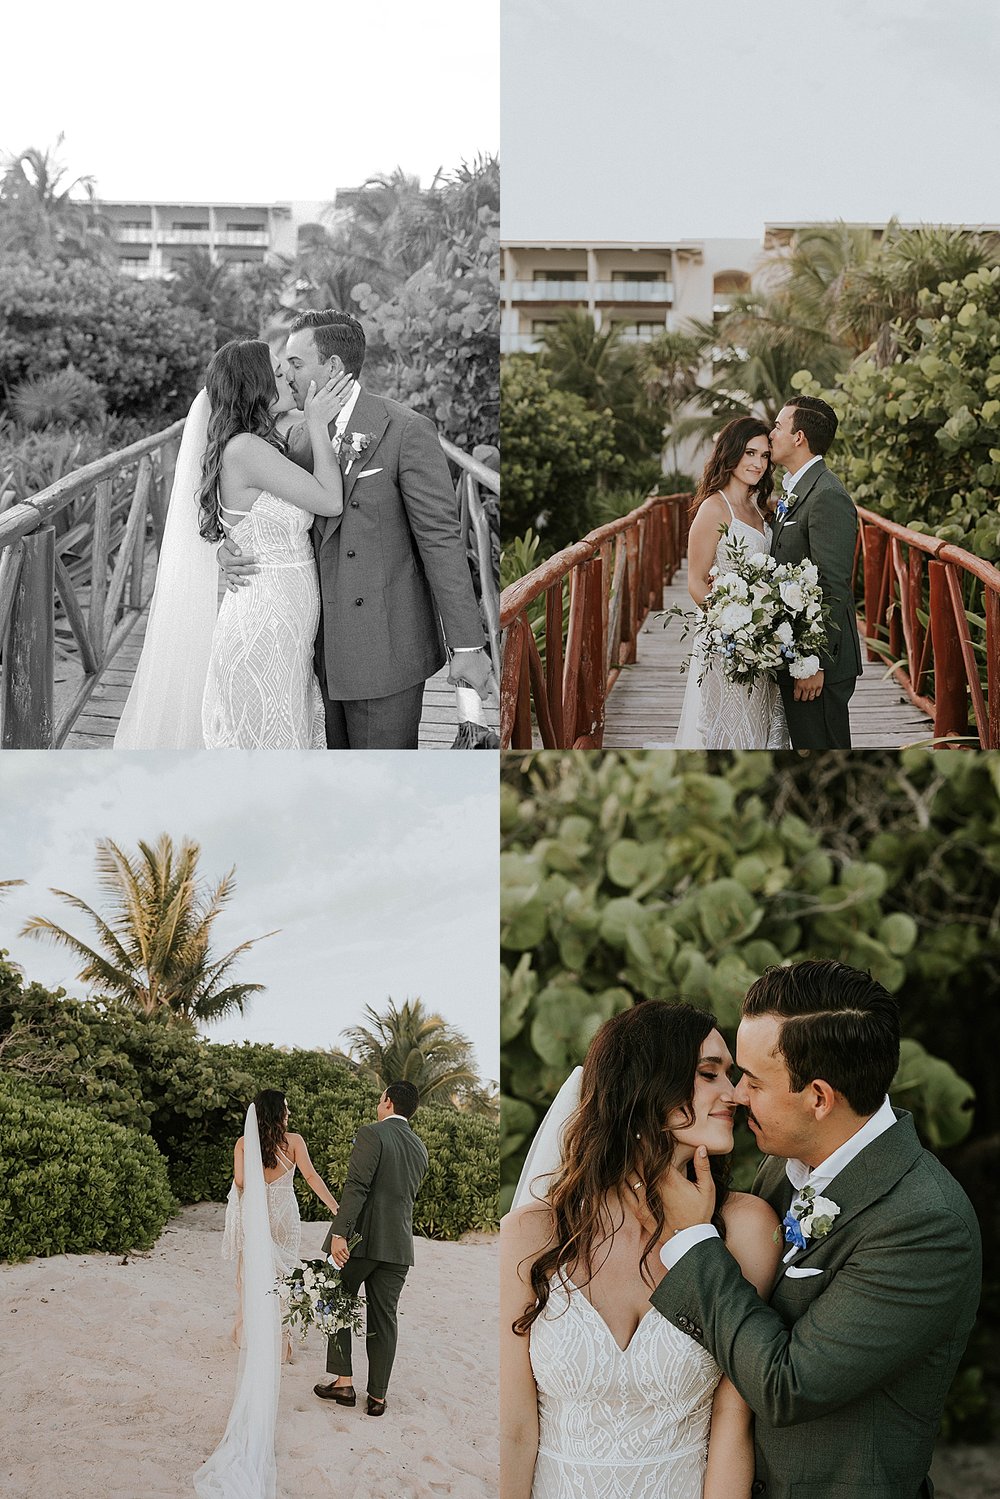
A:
614	576
917	592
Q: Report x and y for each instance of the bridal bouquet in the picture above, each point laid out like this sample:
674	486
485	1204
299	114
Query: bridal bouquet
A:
761	615
317	1298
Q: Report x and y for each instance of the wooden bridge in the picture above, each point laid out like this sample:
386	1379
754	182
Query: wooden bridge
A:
77	569
586	661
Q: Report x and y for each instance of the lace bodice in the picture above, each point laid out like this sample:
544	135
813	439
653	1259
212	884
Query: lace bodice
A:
276	532
283	1215
617	1424
262	691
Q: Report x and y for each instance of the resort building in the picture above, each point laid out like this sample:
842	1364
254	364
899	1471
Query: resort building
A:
155	238
642	286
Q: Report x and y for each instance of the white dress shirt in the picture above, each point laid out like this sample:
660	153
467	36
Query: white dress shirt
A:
799	1174
789	482
346	411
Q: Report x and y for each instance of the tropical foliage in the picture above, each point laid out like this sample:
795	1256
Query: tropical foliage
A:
41	218
154	944
409	1044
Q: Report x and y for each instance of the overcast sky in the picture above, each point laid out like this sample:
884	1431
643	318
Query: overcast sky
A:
250	101
659	119
380	870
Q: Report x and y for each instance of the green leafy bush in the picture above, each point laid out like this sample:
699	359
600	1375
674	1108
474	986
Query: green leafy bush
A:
60	398
144	352
555	452
70	1182
919	440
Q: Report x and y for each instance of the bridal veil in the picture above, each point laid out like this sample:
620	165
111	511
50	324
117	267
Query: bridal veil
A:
163	710
243	1464
545	1154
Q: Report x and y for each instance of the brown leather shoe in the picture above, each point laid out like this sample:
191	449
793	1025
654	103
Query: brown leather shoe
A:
344	1394
376	1407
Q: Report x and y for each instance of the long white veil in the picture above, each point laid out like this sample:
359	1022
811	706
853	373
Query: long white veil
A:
243	1465
545	1154
163	710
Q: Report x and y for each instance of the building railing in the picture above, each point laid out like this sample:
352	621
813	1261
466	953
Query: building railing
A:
77	573
932	611
588	291
572	623
519	343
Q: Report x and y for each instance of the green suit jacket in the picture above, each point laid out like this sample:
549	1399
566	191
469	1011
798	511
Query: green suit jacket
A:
822	527
847	1369
387	1165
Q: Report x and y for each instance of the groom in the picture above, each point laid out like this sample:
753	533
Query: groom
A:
848	1368
392	565
816	521
387	1165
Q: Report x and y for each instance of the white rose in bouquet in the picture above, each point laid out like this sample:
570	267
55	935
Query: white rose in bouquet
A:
784	633
807	667
734	615
791	596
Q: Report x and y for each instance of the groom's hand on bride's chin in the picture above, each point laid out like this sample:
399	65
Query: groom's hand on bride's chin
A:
689	1203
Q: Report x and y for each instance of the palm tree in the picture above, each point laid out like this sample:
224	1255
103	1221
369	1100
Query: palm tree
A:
153	946
39	217
6	884
409	1044
669	367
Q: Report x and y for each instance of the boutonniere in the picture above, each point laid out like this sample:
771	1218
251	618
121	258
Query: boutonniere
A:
354	444
812	1219
785	504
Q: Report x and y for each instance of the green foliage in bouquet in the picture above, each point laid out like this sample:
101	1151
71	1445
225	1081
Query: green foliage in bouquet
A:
626	877
919	439
144	352
556	451
316	1297
70	1182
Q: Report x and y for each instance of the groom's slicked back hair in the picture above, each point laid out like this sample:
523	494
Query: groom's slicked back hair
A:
840	1025
335	333
404	1099
816	419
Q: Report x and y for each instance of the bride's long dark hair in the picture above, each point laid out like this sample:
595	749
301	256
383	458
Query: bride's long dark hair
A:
271	1110
640	1067
725	457
241	391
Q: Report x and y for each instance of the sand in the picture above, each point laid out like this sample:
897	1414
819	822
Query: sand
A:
116	1377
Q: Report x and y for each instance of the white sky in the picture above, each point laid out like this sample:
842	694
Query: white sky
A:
659	119
209	99
379	869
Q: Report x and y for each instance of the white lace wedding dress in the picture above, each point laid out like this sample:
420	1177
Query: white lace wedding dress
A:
283	1216
720	714
261	691
617	1424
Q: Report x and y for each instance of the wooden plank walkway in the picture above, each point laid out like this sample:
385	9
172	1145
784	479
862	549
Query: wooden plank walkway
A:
645	703
95	728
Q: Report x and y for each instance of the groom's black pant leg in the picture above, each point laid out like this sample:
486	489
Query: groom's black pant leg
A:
383	1283
376	722
825	723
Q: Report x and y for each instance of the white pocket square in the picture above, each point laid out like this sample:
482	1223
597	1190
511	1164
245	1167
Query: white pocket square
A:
789	523
800	1272
365	472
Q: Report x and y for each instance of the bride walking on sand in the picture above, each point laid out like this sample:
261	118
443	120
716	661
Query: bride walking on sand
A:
263	1234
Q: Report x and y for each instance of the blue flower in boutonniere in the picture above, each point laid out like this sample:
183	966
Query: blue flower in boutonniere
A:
784	505
811	1218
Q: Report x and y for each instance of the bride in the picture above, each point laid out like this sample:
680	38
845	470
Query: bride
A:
238	677
731	504
600	1396
262	1234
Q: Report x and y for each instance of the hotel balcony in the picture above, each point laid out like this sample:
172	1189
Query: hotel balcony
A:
258	237
184	236
132	234
519	343
632	292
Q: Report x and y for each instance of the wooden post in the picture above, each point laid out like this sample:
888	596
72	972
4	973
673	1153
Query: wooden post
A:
28	665
915	573
875	544
951	708
991	601
101	542
589	727
554	659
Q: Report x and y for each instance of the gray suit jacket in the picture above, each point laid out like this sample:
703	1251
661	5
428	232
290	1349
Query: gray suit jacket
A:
847	1370
822	527
387	1165
393	562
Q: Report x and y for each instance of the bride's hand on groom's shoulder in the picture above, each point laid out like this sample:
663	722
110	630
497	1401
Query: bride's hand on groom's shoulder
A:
689	1203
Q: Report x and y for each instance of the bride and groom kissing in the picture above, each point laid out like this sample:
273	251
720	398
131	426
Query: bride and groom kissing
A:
348	584
370	1241
814	522
802	1338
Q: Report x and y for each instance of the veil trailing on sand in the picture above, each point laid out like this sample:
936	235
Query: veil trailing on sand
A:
545	1155
163	710
243	1465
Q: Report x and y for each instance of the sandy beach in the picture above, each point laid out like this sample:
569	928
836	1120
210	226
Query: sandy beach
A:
117	1377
